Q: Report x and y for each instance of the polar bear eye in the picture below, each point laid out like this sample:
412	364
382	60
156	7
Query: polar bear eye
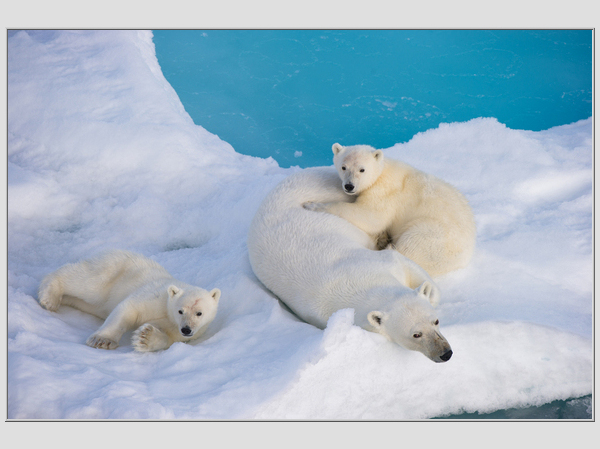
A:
199	314
343	167
181	312
436	322
417	335
362	170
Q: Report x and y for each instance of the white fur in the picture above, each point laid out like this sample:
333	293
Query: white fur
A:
129	291
319	263
427	219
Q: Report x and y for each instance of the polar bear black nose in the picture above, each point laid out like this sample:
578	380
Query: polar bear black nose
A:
446	355
349	187
187	331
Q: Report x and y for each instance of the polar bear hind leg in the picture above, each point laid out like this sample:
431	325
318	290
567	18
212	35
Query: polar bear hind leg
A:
64	287
51	292
425	242
76	284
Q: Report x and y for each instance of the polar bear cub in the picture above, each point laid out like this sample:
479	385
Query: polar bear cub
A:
131	291
426	219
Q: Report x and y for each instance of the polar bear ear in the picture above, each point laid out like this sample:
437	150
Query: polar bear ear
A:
430	292
378	155
337	148
375	318
425	289
216	294
173	291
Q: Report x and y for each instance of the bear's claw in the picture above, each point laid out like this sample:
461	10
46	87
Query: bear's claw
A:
96	341
317	207
142	336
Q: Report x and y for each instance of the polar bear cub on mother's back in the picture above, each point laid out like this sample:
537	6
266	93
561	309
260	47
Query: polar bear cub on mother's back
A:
131	291
427	220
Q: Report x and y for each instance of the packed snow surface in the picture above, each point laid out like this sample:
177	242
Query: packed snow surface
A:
101	155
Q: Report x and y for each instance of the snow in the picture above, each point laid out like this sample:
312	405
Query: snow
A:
101	154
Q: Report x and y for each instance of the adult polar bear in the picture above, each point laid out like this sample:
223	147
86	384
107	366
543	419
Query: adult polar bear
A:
319	263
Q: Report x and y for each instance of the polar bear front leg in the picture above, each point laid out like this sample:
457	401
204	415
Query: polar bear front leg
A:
97	341
120	320
373	222
148	338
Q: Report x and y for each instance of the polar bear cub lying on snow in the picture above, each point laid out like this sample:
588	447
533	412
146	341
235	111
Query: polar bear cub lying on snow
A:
427	220
131	291
318	264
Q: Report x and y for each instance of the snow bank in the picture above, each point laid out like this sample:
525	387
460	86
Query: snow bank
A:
101	154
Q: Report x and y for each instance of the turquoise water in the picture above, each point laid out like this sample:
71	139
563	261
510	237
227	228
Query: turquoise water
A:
572	409
291	94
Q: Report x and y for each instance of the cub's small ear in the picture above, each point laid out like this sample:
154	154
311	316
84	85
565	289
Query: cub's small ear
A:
173	291
337	148
216	294
378	155
375	318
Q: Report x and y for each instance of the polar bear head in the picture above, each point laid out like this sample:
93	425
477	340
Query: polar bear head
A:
359	166
411	322
191	308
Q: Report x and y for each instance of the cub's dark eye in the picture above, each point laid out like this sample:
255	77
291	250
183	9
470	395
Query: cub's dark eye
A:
343	167
181	312
199	314
362	170
417	335
437	322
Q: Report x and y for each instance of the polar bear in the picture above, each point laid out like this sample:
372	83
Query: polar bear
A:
131	291
426	219
319	263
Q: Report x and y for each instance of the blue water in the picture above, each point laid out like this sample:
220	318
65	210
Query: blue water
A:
572	409
291	94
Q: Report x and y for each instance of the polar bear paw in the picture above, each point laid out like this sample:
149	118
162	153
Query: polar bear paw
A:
149	338
49	302
384	241
97	341
317	207
50	297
